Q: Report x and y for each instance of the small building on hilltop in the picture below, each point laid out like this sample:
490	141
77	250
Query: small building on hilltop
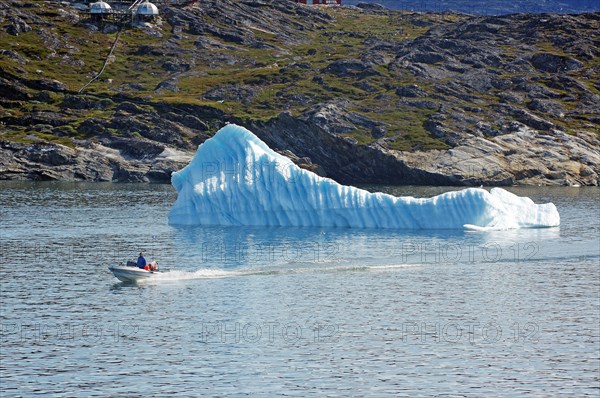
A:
99	10
326	2
100	7
146	11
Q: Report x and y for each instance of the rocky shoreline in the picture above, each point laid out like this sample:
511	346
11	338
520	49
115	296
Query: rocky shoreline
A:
448	99
519	158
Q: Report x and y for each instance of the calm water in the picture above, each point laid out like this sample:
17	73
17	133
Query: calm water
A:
292	311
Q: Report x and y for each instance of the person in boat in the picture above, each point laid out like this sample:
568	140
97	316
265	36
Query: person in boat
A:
141	261
153	266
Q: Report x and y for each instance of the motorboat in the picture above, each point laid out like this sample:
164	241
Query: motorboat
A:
129	273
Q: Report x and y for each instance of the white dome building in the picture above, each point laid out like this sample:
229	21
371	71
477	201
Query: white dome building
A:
147	9
100	7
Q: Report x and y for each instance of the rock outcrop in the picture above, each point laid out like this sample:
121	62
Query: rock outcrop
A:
89	162
360	94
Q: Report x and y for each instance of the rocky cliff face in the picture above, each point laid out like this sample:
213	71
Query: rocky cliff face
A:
362	95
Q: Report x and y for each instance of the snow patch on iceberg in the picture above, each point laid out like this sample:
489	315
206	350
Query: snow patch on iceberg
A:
236	179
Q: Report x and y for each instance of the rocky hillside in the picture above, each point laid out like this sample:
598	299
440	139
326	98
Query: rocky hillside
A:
360	94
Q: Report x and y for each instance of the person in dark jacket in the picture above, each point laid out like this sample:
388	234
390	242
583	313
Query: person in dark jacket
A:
141	261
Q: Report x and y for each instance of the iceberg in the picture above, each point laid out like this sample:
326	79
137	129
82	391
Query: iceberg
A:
236	179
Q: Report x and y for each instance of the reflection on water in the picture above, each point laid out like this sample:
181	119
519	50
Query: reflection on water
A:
272	311
255	247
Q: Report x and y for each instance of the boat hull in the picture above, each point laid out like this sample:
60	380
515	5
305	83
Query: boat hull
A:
130	274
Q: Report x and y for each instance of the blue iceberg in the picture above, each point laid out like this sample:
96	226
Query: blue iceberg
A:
236	179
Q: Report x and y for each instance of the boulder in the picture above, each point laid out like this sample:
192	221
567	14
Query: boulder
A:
350	68
83	102
553	63
410	91
13	90
17	26
47	84
135	148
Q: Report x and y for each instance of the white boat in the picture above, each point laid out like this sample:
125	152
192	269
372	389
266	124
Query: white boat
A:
126	273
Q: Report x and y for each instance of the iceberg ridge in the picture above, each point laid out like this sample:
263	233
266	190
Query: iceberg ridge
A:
236	179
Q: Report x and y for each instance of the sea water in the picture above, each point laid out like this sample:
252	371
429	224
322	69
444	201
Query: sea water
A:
291	311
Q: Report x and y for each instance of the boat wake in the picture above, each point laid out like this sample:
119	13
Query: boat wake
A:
208	273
